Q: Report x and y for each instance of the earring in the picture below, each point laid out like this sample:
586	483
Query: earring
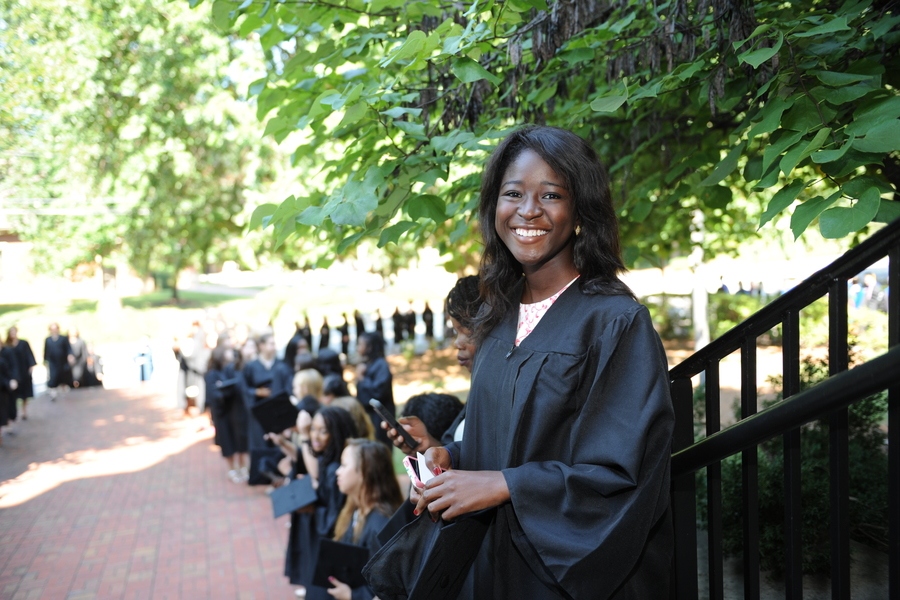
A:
577	229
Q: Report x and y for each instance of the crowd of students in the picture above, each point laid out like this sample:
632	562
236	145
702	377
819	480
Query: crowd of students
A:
338	441
69	361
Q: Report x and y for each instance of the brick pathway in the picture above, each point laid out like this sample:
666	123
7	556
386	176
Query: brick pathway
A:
112	494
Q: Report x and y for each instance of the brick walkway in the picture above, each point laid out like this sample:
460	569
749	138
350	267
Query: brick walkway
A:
112	494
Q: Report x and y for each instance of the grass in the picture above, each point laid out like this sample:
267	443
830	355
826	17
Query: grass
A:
186	300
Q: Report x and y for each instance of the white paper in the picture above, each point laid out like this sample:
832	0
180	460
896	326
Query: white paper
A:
425	474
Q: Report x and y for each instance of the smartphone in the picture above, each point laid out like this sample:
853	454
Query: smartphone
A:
412	469
386	416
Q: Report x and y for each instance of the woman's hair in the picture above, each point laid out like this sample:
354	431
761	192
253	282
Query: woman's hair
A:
334	385
374	345
364	426
436	411
310	382
464	300
340	428
379	486
328	361
217	359
598	257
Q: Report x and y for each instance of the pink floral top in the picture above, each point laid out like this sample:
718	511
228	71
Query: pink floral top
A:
530	314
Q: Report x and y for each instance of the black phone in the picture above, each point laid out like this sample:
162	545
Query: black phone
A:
385	415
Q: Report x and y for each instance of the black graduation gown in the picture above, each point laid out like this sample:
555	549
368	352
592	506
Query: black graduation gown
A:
399	326
324	336
24	361
56	353
368	538
345	336
290	351
378	383
226	406
428	319
278	379
580	421
308	528
360	324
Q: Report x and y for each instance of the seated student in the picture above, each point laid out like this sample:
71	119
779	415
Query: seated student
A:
320	450
366	477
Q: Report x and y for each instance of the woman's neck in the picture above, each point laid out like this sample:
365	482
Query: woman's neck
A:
540	285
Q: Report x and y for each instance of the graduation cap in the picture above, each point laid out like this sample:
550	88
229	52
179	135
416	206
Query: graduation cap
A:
275	414
427	560
288	498
342	561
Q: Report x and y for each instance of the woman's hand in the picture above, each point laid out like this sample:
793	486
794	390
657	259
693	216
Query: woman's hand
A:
454	492
416	428
304	421
340	591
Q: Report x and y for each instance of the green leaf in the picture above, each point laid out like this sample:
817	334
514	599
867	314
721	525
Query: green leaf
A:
258	86
608	103
760	29
833	26
725	166
448	143
470	71
427	207
773	150
883	138
757	57
399	111
807	212
771	116
221	15
313	216
836	79
856	186
194	3
349	242
354	114
827	156
841	221
717	196
393	233
262	215
888	211
640	210
799	152
411	48
357	200
864	119
781	200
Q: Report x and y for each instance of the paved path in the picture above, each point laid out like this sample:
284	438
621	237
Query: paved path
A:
112	494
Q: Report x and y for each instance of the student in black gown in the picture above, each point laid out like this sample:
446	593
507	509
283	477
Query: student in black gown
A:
428	320
344	329
379	325
359	323
399	326
410	320
366	477
25	364
293	347
224	397
324	335
264	377
59	359
374	379
306	331
9	383
569	420
320	450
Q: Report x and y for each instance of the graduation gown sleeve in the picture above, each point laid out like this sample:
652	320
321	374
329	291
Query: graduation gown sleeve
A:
377	383
579	420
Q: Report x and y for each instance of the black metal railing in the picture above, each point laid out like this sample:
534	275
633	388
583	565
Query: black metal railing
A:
829	399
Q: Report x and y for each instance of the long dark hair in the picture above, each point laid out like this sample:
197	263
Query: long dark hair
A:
340	428
380	488
598	257
464	300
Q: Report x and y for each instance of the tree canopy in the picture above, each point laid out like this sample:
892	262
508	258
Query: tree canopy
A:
742	111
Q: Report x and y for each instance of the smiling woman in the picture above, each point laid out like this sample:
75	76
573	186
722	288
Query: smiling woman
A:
569	420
